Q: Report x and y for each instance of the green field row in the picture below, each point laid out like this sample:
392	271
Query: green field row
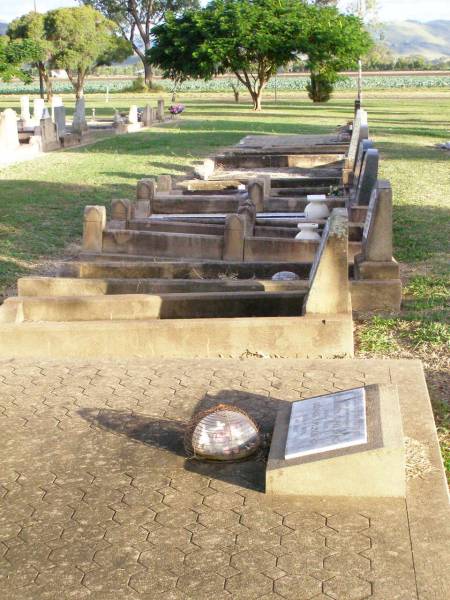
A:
223	84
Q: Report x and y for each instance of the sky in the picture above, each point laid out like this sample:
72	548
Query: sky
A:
389	10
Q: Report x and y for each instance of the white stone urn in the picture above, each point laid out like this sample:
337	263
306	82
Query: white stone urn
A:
308	231
317	207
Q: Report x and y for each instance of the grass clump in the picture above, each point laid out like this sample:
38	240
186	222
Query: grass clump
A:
378	336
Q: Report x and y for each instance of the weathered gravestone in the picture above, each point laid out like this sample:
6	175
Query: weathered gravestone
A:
348	443
50	140
25	109
9	136
38	110
79	124
147	115
133	114
56	102
60	121
368	177
160	110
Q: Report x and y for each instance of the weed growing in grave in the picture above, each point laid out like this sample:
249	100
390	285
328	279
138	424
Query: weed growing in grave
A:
378	336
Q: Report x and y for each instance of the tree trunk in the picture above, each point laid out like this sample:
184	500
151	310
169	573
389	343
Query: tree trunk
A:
257	99
148	74
43	74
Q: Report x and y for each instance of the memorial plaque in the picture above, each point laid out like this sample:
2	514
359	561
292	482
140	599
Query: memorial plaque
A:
327	423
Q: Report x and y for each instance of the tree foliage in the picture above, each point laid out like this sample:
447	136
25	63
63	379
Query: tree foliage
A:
251	39
82	39
254	38
334	43
14	54
136	18
30	27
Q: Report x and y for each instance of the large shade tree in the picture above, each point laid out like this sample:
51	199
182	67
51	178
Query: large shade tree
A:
136	18
31	27
83	39
334	42
251	39
254	38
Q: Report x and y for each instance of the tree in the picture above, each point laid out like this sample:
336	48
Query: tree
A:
136	18
31	27
14	54
82	39
251	39
334	42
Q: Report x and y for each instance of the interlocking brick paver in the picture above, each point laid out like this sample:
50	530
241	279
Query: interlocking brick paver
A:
346	587
98	501
298	587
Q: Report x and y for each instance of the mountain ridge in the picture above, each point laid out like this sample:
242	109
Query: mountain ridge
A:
403	38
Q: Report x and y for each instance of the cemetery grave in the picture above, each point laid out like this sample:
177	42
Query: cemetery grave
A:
332	504
29	135
199	269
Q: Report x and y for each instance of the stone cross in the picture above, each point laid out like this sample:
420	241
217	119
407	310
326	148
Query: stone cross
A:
133	114
9	136
79	124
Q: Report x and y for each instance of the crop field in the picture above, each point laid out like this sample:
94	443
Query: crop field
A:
223	84
41	202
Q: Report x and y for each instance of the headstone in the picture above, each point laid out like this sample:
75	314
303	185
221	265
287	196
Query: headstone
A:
147	115
367	178
133	114
327	423
79	124
377	233
38	109
160	110
60	121
347	443
234	238
120	210
256	193
25	108
56	101
117	120
9	136
164	183
364	145
145	189
50	139
94	223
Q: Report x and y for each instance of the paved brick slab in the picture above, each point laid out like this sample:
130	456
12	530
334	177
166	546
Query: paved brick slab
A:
99	502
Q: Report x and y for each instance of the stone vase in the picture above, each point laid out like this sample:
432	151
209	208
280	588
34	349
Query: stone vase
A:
308	231
317	208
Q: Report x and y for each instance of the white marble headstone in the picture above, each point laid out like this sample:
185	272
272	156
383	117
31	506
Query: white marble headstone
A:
327	423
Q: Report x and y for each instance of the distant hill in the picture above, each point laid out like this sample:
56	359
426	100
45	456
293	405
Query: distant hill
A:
430	40
3	28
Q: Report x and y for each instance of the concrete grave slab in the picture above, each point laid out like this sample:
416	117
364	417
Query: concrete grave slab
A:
100	500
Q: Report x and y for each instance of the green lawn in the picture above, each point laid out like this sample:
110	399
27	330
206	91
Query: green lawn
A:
41	202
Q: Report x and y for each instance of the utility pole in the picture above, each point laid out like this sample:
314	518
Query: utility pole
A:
41	80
